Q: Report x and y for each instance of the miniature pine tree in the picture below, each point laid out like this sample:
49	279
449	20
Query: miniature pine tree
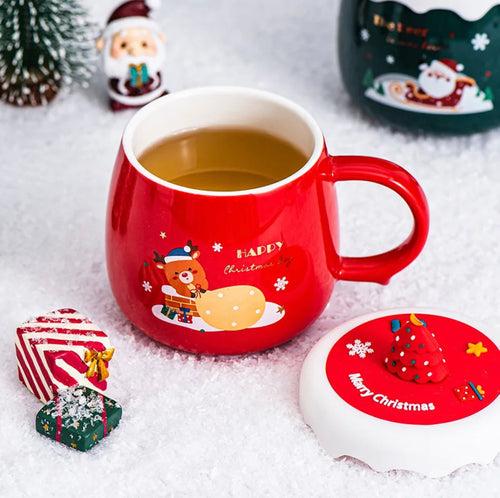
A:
415	354
44	45
368	79
488	93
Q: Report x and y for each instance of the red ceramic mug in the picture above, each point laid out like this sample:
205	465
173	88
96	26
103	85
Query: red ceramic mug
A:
236	272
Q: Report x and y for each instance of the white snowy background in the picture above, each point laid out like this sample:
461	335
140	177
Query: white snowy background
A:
213	426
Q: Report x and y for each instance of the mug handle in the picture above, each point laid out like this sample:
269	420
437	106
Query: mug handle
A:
381	267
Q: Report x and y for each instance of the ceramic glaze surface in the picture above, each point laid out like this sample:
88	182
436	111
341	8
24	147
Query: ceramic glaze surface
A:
236	272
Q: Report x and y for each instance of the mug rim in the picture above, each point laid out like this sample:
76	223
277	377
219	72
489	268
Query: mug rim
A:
147	110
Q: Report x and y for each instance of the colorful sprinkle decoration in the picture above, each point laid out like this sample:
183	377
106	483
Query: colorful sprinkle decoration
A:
395	326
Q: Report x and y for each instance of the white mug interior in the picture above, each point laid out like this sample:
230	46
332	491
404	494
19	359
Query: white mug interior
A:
226	107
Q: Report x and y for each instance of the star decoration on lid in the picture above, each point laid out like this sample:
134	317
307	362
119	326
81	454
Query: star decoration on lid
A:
476	349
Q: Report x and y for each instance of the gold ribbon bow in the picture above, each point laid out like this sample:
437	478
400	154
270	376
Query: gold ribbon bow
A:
96	362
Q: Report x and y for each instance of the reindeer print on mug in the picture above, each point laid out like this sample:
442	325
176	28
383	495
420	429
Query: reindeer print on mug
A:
183	270
188	300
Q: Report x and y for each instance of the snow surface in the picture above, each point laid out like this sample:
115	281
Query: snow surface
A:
209	426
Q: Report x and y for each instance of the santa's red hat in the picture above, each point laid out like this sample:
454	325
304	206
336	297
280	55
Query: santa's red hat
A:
132	14
449	67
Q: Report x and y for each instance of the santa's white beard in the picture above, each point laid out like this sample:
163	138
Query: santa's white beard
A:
436	87
120	68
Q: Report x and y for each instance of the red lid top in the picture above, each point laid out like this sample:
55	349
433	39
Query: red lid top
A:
463	363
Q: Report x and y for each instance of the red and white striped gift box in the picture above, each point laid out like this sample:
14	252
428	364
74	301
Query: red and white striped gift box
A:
51	349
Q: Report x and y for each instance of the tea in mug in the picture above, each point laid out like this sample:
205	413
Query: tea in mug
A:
223	159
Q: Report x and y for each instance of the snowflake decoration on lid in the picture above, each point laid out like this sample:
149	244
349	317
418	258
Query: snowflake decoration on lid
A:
390	59
359	348
147	286
281	284
480	41
163	235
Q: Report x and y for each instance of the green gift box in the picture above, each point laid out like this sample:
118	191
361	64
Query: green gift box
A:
78	417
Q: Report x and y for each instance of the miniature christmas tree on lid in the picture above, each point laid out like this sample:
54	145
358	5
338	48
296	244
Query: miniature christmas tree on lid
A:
415	354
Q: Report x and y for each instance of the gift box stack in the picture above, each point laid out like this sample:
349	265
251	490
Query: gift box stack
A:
63	359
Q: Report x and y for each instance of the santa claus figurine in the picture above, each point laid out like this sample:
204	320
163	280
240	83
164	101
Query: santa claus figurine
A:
133	53
440	84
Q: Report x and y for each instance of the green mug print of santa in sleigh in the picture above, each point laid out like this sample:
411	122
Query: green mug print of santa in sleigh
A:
190	303
441	88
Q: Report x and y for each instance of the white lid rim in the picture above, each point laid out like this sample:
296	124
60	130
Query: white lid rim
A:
371	441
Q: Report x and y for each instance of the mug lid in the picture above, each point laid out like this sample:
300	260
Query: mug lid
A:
387	387
470	11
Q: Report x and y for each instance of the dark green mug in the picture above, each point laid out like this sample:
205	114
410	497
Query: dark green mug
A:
431	65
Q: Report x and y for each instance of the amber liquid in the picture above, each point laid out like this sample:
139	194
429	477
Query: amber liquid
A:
223	159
